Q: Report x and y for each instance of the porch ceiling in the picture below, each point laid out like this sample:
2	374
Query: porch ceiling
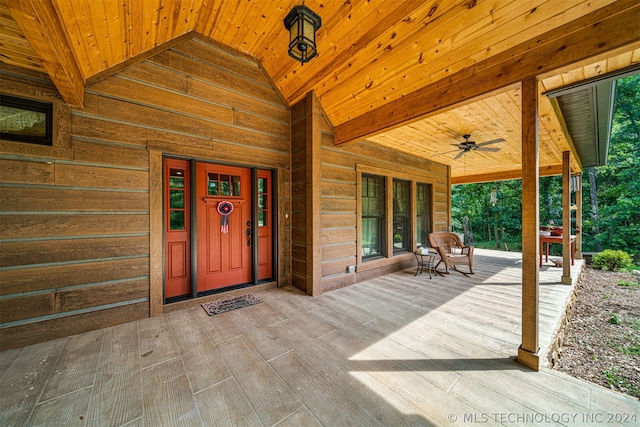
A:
411	75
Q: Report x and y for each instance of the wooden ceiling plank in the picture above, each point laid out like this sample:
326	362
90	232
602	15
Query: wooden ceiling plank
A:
510	25
356	67
166	18
80	42
605	29
150	19
337	39
247	33
238	23
207	17
270	33
133	26
98	20
22	60
46	36
225	16
115	28
187	17
435	41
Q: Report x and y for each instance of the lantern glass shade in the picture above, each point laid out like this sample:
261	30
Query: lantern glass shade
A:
302	24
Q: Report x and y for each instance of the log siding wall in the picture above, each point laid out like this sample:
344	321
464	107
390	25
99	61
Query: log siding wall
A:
81	222
340	181
336	172
75	227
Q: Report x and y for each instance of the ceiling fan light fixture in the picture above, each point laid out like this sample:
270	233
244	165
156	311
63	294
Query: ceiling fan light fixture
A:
302	24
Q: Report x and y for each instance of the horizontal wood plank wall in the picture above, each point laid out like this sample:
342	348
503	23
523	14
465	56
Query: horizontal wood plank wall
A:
75	223
74	230
299	178
339	205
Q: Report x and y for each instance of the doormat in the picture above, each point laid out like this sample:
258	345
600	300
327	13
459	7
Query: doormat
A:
222	306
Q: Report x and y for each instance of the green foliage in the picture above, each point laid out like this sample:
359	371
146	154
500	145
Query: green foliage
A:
629	350
612	260
618	382
628	284
614	319
618	182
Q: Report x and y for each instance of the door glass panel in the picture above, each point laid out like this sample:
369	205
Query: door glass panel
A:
176	220
176	178
176	199
263	198
224	185
212	184
235	186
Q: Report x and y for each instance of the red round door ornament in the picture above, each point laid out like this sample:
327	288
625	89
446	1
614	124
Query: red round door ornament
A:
224	209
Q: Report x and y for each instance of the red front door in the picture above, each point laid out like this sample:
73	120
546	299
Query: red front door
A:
224	245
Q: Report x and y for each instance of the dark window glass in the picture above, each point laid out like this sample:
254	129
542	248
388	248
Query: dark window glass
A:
24	120
401	212
373	216
423	213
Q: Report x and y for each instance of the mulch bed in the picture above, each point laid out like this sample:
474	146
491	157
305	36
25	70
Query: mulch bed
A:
602	339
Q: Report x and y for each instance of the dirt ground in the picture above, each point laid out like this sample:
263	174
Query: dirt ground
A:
602	341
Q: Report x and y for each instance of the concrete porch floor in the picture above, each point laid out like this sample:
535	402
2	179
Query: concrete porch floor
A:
399	350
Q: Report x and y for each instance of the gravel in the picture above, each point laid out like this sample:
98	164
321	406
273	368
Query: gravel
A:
602	338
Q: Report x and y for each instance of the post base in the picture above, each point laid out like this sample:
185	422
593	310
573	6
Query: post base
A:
566	280
529	359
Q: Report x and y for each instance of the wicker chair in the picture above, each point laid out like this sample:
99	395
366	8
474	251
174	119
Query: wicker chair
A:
451	250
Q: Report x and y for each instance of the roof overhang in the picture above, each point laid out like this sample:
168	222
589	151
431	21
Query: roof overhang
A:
587	109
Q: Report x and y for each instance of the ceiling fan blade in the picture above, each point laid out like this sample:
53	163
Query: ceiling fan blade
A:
460	154
490	142
491	149
445	152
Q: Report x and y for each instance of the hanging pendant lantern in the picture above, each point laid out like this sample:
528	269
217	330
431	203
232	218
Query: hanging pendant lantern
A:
302	24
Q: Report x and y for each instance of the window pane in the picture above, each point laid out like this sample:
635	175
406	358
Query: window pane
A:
176	220
176	199
262	219
235	186
224	185
212	184
423	214
262	186
373	216
372	232
176	178
401	209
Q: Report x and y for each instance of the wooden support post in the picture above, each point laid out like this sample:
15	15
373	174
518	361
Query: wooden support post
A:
566	217
528	353
156	228
578	245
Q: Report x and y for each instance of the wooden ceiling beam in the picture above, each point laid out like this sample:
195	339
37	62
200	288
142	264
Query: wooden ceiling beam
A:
45	34
551	170
606	29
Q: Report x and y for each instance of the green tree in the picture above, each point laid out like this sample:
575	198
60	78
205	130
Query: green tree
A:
618	182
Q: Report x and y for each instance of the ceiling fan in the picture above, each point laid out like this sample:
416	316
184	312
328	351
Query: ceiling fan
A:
467	146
